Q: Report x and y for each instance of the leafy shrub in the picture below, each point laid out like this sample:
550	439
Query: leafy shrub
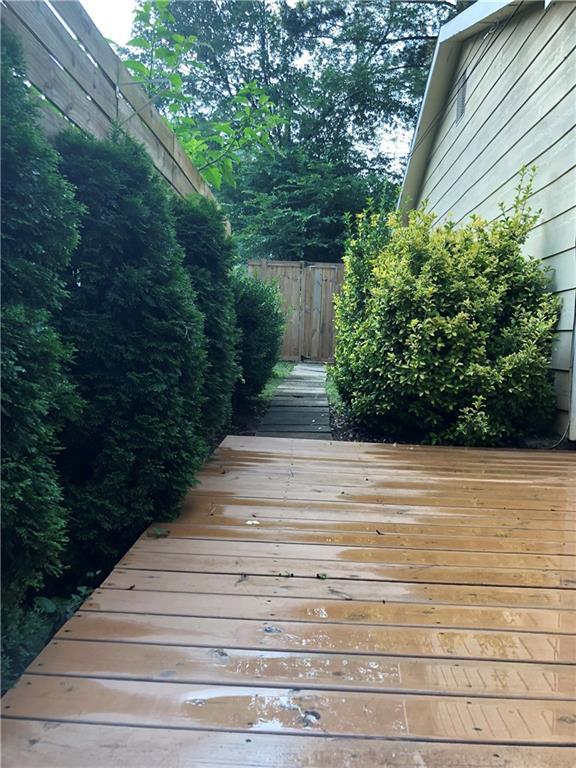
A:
261	323
445	334
140	357
39	233
365	235
208	258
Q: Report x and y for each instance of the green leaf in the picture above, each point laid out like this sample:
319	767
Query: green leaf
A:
45	605
136	66
139	42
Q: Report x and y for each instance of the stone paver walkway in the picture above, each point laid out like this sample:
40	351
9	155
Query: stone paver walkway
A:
299	407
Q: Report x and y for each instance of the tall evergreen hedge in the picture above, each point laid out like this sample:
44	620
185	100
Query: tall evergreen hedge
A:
209	251
260	320
39	234
140	359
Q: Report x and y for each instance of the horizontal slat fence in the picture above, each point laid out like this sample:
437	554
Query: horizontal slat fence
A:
308	298
86	84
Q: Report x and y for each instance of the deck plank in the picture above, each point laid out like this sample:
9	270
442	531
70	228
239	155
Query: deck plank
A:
331	569
305	711
391	556
376	538
338	589
365	605
279	635
376	613
228	666
43	744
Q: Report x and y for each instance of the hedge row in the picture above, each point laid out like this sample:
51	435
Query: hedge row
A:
121	352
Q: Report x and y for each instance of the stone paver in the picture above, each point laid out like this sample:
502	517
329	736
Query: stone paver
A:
299	407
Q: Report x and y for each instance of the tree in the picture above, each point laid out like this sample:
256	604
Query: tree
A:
208	258
343	75
261	327
132	317
39	233
340	73
293	207
335	78
163	59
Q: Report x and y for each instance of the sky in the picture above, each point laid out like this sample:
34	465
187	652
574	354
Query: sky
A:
112	17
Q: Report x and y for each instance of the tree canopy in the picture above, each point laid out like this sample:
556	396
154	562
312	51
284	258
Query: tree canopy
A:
295	105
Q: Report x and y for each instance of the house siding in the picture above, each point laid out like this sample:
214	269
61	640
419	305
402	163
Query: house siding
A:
520	110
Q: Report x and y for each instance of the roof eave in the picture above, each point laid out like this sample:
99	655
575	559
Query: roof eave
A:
476	18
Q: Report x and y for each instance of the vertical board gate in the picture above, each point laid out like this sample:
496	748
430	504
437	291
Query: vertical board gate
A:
308	291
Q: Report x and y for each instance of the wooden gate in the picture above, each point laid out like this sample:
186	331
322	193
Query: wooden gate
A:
308	294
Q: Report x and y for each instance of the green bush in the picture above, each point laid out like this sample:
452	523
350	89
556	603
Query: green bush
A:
208	250
365	235
39	233
132	317
445	334
261	324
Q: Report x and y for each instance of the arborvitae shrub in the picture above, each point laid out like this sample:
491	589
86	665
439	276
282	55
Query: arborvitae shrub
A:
39	233
261	322
208	256
140	358
454	341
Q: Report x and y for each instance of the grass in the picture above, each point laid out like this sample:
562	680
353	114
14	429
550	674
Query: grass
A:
332	393
280	372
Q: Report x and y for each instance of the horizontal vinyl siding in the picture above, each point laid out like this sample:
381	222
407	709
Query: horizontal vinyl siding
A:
520	110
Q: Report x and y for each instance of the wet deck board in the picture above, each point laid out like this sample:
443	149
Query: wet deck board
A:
325	604
37	742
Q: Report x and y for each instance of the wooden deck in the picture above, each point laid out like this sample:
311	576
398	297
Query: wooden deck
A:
326	604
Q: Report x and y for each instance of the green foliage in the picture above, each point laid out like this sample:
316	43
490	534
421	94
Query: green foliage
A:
26	629
261	325
140	359
445	334
39	233
293	108
164	61
294	207
367	232
208	249
282	369
340	73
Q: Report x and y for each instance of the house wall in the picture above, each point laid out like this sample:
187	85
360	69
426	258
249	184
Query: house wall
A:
520	110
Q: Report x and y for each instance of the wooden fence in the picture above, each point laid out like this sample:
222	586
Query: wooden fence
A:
85	83
308	294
